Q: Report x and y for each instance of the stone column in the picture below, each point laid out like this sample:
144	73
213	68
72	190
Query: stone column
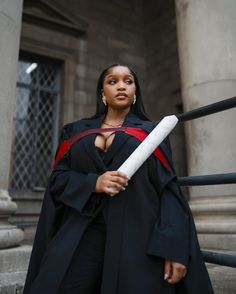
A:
207	52
10	26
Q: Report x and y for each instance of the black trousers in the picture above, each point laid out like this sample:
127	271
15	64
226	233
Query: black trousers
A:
85	271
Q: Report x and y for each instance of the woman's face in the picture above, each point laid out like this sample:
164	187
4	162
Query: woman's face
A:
119	88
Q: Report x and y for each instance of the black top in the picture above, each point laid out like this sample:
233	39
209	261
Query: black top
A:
101	151
102	216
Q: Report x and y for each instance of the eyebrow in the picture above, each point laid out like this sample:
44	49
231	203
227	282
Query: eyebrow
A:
128	75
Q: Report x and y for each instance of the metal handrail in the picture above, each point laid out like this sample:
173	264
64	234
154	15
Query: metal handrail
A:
208	109
217	179
219	258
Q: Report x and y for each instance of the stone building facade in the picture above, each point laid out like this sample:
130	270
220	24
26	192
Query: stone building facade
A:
84	44
184	55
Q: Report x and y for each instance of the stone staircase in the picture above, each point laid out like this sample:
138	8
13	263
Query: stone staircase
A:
223	278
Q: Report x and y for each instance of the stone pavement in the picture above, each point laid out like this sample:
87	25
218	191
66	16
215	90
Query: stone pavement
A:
223	279
11	281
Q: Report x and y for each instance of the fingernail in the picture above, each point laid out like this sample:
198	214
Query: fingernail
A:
166	276
123	188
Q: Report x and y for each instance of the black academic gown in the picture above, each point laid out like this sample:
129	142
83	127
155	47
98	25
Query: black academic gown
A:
147	223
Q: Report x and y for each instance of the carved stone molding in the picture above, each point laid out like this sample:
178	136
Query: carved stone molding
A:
51	15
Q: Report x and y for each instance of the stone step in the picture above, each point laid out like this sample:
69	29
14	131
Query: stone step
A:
14	259
14	264
223	279
216	225
13	268
217	241
225	205
12	283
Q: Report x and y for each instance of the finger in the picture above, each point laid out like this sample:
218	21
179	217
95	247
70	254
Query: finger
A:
111	191
119	174
181	268
116	186
175	278
167	269
115	189
176	275
119	180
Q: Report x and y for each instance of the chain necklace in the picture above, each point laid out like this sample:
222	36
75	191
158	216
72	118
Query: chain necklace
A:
118	125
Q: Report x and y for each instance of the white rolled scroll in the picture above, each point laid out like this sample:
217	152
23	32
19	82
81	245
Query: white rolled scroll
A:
149	144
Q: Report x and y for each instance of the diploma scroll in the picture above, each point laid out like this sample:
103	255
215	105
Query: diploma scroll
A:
151	142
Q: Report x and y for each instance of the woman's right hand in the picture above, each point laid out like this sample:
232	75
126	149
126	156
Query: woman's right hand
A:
111	183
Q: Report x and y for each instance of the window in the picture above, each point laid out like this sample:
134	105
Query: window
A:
36	123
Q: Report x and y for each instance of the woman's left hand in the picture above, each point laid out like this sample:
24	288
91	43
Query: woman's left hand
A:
174	271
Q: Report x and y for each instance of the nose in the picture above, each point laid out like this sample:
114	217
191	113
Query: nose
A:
121	85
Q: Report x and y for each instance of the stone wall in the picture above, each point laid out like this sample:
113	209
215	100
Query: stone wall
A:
137	33
162	71
114	35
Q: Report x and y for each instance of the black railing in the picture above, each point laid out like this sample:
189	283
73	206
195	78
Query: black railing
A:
208	109
216	179
219	258
219	179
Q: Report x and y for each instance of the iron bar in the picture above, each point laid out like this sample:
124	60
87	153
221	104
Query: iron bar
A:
219	258
217	179
208	109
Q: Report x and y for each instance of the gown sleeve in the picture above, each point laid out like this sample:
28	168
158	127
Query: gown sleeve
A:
170	236
72	188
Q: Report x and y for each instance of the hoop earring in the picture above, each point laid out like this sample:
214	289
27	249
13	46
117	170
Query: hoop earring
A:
104	100
134	99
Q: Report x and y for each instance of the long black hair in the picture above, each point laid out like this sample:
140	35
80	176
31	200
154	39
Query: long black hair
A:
137	108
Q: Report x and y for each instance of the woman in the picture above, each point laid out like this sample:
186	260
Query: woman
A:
100	232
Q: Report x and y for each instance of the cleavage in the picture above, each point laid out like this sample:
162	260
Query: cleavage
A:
104	140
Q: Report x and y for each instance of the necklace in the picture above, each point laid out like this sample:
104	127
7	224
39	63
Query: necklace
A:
118	125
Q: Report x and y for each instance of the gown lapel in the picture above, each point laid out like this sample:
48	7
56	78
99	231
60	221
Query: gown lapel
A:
88	142
120	137
119	140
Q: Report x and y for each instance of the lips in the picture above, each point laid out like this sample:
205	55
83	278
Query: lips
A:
121	95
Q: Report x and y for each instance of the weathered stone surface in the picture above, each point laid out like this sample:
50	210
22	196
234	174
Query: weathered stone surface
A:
10	18
11	257
7	206
10	236
208	74
12	283
162	79
225	241
10	24
14	264
223	279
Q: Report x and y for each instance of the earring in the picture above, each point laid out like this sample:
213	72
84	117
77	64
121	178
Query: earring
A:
104	100
134	99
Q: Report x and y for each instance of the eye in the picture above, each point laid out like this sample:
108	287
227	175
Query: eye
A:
112	82
129	82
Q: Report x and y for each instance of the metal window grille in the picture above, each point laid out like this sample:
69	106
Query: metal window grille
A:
36	117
